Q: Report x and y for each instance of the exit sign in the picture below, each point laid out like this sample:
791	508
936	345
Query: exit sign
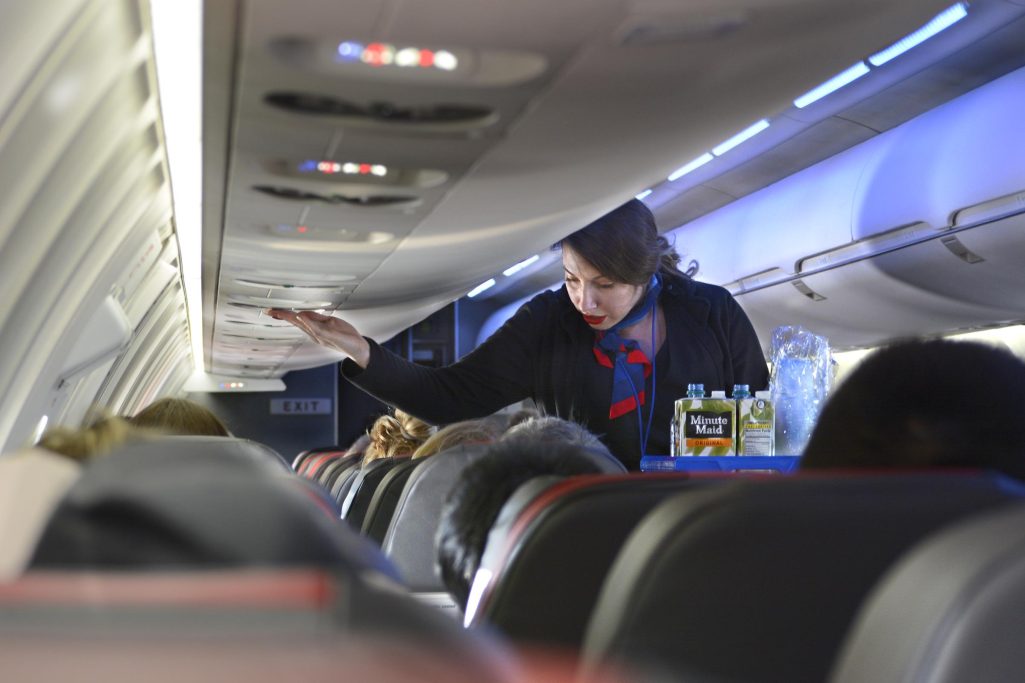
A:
300	406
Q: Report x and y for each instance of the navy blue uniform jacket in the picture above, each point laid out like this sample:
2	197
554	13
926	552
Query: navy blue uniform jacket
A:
545	352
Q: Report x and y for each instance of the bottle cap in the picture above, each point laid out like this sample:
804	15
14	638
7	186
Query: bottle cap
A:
766	394
720	393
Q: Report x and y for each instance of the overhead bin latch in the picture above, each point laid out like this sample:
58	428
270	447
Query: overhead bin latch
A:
807	291
958	249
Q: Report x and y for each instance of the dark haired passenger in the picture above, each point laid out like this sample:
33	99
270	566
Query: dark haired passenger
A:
926	404
485	485
613	349
179	416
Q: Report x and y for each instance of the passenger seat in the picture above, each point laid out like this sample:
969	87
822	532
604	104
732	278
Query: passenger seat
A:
760	581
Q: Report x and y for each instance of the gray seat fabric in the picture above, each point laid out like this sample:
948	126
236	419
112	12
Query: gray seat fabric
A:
357	500
343	484
183	502
386	497
410	540
232	625
214	445
952	610
760	581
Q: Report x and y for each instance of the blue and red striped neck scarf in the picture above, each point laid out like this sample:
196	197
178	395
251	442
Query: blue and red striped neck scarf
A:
630	366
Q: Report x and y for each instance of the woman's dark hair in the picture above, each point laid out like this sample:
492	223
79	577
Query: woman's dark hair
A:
624	245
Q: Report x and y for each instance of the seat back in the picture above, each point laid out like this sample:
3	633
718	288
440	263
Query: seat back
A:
759	581
303	456
386	497
410	539
329	475
354	510
245	624
313	465
543	569
343	484
951	610
183	502
205	446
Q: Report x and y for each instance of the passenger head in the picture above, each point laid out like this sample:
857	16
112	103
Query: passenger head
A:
481	490
100	437
624	245
551	429
457	434
398	434
359	446
179	416
520	416
926	404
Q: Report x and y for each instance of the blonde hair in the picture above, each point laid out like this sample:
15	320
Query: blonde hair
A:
400	434
179	416
99	438
457	433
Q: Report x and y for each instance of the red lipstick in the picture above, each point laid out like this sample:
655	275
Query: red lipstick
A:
594	320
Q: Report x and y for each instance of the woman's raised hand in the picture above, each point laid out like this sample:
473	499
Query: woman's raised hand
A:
333	333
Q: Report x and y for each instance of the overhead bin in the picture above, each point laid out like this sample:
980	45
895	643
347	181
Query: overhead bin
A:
920	230
923	173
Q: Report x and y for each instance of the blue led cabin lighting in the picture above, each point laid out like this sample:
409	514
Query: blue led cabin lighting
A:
484	286
691	166
832	85
743	136
512	270
940	22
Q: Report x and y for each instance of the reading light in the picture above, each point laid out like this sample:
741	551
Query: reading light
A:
744	135
445	60
512	270
693	165
643	195
832	85
385	54
941	21
484	286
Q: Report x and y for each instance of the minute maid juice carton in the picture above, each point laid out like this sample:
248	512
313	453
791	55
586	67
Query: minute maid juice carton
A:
704	426
756	425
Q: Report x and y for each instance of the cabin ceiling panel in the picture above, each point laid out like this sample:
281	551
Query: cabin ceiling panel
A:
563	144
568	144
813	144
1000	53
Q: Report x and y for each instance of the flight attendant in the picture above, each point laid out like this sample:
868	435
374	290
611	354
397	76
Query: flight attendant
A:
613	349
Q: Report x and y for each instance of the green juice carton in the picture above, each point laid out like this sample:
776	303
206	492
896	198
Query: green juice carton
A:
704	426
756	425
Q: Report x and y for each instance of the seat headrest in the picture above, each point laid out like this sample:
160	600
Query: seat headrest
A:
409	541
796	556
951	610
185	502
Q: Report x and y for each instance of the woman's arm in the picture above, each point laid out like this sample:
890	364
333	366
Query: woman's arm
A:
496	374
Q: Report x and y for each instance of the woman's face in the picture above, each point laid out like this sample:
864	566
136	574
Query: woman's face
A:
602	302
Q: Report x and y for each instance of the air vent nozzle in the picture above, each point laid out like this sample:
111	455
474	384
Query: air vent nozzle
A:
293	194
383	112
